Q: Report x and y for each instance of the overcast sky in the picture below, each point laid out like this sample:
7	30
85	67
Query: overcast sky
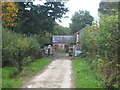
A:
76	5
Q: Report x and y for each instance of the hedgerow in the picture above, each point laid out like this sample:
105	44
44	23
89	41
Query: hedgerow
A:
18	49
100	44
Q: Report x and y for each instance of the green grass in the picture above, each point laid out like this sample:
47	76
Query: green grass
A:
11	78
84	75
0	78
61	52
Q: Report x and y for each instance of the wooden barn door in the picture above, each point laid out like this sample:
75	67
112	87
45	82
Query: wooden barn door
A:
55	47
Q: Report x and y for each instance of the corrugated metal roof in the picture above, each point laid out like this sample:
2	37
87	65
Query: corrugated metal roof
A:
66	38
63	39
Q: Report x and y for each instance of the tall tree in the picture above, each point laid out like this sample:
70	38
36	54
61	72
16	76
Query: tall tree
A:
40	18
60	30
106	7
79	20
9	14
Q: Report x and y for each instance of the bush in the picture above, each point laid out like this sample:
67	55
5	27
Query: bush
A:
16	47
26	61
100	44
43	39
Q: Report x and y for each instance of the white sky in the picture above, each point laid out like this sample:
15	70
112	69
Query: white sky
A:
76	5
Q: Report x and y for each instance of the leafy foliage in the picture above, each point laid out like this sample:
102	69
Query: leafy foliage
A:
105	7
9	14
60	30
100	43
39	18
43	38
16	47
79	20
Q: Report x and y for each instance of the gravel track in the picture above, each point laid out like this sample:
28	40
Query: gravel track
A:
58	74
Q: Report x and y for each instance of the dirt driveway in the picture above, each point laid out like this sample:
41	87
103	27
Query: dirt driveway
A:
58	74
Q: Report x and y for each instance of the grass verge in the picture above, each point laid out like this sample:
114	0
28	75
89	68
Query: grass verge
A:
11	78
84	75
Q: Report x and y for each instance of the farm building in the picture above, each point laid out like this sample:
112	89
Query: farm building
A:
61	42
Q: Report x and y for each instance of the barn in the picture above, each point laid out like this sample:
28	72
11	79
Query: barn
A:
61	41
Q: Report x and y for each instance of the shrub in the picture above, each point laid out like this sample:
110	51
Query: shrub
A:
100	44
16	47
26	61
43	39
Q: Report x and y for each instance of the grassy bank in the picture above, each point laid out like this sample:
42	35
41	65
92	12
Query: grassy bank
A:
84	75
12	78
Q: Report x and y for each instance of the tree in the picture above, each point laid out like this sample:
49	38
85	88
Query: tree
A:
9	14
106	7
40	18
60	30
79	20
